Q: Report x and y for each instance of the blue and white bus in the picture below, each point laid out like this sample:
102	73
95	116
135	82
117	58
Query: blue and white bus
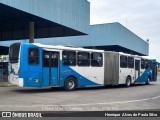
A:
37	65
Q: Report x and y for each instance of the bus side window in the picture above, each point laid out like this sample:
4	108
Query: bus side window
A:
96	60
54	59
146	64
123	61
130	62
69	58
83	59
33	56
150	64
142	63
46	60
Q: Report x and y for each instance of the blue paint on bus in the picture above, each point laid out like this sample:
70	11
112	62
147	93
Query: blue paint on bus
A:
82	81
144	77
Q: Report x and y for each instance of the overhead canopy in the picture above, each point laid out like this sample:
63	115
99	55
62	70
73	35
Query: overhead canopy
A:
14	25
116	48
55	20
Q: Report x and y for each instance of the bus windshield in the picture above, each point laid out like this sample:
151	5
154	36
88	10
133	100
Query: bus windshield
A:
14	53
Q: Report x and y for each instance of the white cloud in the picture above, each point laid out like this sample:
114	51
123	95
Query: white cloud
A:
142	18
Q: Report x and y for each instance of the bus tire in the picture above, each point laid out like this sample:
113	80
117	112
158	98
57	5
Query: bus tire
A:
128	82
70	84
148	81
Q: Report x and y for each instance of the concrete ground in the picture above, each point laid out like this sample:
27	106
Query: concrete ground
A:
137	97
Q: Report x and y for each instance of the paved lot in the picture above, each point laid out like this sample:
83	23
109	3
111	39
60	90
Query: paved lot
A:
137	97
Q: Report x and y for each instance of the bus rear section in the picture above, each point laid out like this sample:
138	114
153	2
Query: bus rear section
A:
14	64
24	65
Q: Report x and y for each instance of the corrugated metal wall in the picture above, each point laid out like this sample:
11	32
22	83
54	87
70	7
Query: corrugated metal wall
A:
71	13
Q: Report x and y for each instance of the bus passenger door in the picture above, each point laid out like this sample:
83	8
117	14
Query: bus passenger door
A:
50	68
54	68
137	70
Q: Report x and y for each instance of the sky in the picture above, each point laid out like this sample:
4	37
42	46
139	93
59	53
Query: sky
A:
140	16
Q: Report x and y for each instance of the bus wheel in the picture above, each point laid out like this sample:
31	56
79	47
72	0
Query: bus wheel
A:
128	82
148	81
70	84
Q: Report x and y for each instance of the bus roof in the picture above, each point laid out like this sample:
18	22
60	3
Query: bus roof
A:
66	48
84	49
136	56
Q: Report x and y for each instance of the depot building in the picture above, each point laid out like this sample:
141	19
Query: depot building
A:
63	22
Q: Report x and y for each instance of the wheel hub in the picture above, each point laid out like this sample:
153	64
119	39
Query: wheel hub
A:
70	84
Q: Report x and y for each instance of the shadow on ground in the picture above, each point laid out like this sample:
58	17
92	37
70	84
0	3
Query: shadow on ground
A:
47	90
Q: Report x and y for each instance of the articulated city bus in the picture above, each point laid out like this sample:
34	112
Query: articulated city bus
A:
37	65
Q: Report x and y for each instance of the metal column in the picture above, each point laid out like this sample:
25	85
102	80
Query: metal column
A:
31	32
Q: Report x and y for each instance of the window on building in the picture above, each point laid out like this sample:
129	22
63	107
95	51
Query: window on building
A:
83	59
142	63
123	61
69	58
33	56
96	60
130	62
